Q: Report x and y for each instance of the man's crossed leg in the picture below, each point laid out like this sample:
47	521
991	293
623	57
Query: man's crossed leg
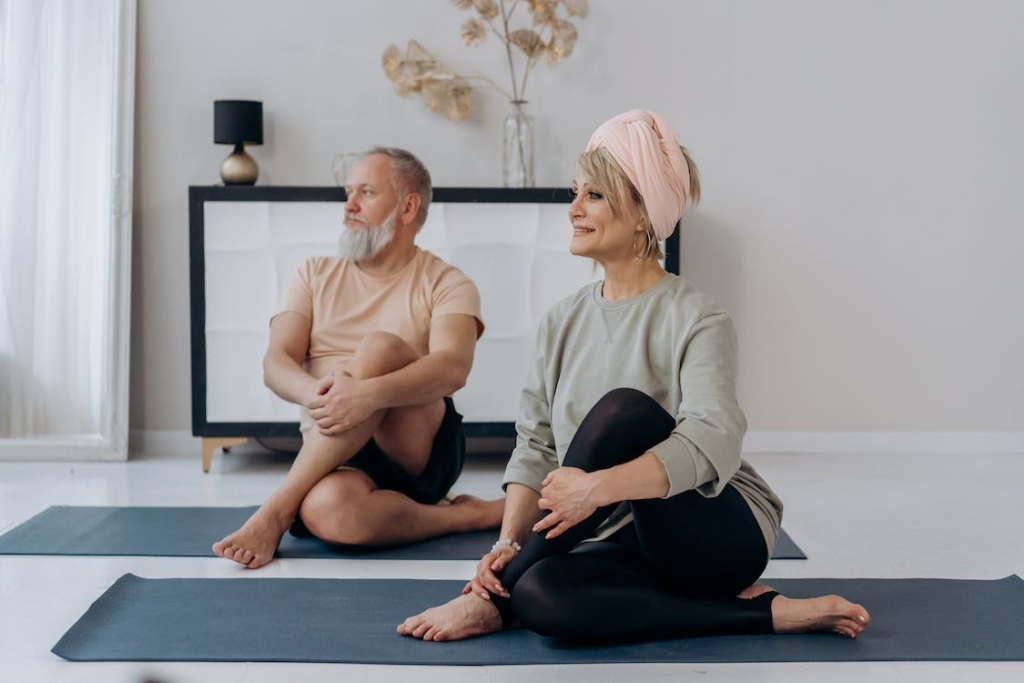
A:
347	505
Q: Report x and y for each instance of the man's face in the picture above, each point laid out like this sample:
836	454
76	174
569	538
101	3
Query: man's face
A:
371	210
371	196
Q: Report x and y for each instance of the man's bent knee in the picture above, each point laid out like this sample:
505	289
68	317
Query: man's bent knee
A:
380	353
335	510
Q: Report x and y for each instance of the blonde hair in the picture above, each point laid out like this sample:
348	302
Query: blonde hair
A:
606	177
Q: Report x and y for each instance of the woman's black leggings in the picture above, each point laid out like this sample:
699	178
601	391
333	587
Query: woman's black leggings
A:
675	572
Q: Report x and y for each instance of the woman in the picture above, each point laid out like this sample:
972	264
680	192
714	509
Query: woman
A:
629	512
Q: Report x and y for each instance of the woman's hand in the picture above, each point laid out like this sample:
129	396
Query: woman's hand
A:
570	495
485	581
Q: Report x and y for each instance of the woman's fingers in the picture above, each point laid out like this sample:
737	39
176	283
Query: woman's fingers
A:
549	521
479	589
562	527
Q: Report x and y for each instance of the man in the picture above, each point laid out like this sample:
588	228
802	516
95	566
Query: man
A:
372	343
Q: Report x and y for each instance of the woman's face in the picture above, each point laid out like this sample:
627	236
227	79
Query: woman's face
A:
596	232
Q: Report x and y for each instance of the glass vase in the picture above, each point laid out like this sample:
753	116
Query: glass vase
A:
517	148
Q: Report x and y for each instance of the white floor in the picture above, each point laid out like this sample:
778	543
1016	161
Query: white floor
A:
854	515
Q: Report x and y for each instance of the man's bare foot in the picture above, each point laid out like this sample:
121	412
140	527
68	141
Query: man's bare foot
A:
464	617
485	514
754	591
826	613
255	543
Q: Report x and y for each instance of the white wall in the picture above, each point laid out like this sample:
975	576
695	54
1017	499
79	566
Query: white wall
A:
860	160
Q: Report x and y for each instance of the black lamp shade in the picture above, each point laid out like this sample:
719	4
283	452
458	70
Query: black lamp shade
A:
236	121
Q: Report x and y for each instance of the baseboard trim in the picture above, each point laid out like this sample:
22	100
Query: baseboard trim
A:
163	442
181	442
895	443
73	448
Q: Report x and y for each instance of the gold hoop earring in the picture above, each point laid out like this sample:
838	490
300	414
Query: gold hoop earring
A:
648	244
638	250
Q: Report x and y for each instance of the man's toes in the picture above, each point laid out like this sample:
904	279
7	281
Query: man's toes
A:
421	629
433	633
257	561
407	627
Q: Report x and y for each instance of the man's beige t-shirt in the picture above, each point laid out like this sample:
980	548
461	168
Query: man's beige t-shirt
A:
345	304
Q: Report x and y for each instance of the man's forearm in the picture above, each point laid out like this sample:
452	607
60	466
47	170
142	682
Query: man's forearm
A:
426	379
288	379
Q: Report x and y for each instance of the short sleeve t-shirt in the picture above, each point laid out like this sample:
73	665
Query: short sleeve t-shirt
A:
345	304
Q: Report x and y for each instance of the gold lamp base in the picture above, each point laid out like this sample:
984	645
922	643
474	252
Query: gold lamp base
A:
239	168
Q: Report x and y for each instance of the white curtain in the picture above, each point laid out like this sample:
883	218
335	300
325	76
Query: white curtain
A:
63	209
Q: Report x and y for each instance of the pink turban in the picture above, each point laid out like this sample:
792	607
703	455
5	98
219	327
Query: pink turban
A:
647	149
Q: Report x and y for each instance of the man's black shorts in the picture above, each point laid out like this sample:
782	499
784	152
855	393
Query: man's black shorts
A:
446	458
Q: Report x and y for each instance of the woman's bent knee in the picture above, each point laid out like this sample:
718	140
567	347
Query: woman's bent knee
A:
627	403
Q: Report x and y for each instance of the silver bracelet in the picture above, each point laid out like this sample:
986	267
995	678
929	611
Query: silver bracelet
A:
506	542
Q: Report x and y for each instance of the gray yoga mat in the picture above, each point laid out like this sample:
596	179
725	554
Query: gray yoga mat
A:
190	531
353	621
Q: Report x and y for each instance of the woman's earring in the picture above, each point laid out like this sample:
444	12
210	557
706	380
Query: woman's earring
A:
639	250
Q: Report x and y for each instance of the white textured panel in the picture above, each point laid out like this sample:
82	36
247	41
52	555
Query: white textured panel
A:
473	223
433	236
235	225
306	222
234	380
554	229
240	289
502	274
556	275
516	253
499	369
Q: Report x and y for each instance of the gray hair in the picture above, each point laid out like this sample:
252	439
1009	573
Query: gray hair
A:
408	176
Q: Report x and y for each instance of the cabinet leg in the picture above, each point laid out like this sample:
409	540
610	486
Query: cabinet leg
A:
213	443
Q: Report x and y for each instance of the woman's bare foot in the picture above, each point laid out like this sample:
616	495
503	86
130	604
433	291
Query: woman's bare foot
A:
826	613
464	617
255	543
484	514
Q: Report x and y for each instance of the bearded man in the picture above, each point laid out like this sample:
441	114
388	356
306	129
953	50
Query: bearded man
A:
372	343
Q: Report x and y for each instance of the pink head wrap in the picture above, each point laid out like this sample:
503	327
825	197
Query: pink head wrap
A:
647	149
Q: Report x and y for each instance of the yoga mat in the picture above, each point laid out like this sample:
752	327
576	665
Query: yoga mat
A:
353	621
190	531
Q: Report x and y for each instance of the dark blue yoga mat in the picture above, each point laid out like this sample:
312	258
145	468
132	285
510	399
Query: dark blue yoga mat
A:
353	621
190	531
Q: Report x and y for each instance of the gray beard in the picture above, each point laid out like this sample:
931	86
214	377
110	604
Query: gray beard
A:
366	243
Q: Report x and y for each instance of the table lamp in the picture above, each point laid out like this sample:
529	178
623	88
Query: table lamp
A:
238	123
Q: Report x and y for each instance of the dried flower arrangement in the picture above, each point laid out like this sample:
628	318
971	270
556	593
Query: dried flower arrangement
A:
551	37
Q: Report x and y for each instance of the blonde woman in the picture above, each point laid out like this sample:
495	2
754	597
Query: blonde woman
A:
630	513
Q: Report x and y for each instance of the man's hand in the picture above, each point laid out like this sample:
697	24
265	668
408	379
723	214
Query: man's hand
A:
341	402
569	494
